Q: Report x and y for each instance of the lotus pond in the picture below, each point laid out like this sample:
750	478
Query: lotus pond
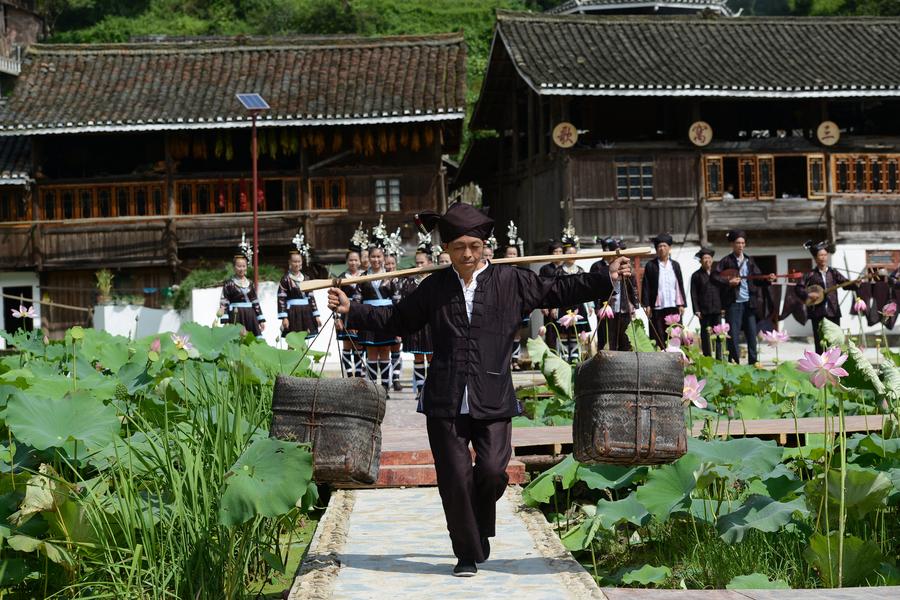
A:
738	513
143	469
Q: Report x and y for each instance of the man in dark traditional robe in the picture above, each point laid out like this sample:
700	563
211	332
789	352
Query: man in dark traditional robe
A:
706	298
662	289
474	311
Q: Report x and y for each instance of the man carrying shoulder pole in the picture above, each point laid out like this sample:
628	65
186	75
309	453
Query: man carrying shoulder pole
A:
474	311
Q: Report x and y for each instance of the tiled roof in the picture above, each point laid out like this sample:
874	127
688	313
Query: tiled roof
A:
577	6
695	56
192	84
15	161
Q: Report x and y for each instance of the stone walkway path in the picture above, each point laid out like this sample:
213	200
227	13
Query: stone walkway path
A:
396	546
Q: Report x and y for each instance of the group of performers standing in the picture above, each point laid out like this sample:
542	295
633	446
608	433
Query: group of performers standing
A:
733	291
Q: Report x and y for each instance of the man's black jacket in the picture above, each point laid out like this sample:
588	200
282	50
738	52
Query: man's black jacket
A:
650	283
706	293
477	354
830	307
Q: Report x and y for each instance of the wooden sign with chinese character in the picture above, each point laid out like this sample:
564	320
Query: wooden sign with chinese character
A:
700	133
565	135
828	133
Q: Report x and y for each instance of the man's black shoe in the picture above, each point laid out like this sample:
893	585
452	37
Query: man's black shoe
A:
465	568
398	387
485	549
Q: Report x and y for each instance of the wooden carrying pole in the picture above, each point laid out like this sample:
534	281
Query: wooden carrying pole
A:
319	284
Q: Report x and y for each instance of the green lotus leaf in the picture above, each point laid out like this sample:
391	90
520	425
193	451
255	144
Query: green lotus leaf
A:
865	490
50	423
638	337
601	477
268	480
756	581
544	485
610	513
53	552
861	558
646	575
744	457
111	351
875	444
537	348
297	340
669	487
761	513
210	342
13	571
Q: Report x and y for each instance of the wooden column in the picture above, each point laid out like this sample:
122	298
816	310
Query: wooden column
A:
702	216
170	236
37	247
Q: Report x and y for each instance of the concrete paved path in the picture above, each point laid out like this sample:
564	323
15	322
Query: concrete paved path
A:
396	546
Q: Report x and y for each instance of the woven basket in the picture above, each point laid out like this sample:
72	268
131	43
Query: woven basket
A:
628	409
341	418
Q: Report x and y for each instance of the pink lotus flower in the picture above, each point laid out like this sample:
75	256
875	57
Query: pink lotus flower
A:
675	348
687	338
774	337
182	342
24	313
606	312
675	332
824	368
722	329
585	336
672	319
568	319
155	345
889	310
692	389
542	331
860	305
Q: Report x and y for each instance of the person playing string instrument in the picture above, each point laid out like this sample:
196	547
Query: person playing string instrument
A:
296	308
474	311
238	303
822	301
743	300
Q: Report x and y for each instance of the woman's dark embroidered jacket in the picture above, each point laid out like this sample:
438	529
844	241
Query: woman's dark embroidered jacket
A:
477	354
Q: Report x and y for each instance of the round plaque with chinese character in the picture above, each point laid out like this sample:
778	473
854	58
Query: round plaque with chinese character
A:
565	135
700	133
828	133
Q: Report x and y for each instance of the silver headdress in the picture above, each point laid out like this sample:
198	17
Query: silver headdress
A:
569	237
244	248
395	244
379	238
512	233
359	241
491	242
300	244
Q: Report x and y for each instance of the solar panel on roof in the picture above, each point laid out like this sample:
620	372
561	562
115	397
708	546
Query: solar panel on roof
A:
253	101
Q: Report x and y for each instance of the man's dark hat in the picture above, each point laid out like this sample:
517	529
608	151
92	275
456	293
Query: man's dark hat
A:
815	247
663	238
705	252
459	220
734	234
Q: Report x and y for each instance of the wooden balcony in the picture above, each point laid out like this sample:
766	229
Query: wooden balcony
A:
765	215
637	219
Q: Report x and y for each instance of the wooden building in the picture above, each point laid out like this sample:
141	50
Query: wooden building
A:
137	156
641	7
20	26
694	125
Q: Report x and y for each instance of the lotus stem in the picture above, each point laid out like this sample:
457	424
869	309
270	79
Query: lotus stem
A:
842	517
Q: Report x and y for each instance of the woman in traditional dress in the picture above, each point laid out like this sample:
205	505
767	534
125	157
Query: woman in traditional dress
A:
514	249
567	344
296	308
352	353
239	304
377	293
392	255
418	343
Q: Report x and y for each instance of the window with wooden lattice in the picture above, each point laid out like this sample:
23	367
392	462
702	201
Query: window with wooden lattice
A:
634	181
866	173
713	183
815	177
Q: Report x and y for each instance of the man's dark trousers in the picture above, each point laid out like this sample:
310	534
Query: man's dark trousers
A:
469	494
706	323
741	317
658	325
817	336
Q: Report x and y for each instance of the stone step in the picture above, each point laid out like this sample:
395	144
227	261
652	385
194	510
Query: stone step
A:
412	475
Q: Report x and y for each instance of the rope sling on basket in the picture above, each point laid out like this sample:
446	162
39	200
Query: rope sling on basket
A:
340	419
